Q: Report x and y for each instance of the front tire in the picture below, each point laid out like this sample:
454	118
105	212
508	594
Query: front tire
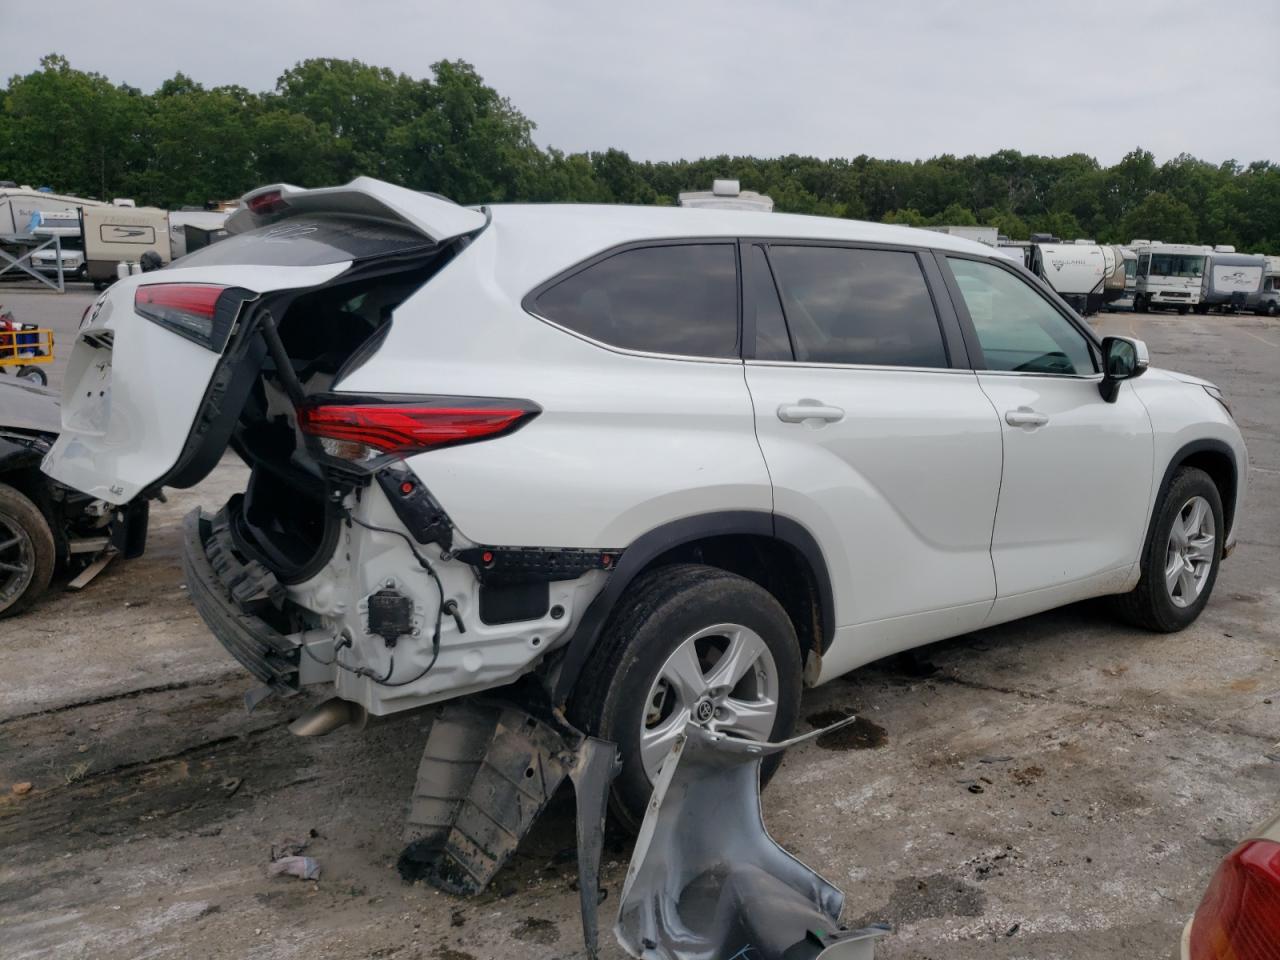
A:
1180	560
26	552
687	640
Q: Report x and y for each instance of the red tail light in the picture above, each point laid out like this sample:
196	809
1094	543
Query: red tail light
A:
190	310
362	431
1239	917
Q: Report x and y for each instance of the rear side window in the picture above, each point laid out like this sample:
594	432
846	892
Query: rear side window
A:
677	299
308	242
847	305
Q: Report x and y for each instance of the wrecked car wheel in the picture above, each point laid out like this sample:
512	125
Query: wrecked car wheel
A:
690	642
26	552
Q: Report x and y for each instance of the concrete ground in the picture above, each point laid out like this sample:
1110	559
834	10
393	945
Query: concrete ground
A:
1061	787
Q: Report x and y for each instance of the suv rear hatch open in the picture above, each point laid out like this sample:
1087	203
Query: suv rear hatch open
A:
166	363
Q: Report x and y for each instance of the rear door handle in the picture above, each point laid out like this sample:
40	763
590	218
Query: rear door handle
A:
1025	417
809	410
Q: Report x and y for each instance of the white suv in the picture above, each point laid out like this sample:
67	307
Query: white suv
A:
668	463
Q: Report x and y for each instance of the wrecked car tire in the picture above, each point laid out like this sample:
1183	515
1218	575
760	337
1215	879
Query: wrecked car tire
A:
1181	557
689	640
26	552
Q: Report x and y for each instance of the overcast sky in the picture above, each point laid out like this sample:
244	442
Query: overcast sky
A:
666	80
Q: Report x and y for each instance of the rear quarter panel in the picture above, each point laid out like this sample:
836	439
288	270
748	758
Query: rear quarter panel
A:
624	442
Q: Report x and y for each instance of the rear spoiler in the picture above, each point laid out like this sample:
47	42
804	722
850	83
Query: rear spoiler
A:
436	217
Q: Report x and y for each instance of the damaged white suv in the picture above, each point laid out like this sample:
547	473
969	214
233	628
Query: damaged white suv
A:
667	463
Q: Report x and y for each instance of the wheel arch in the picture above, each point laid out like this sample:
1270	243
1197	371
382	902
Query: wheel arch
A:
741	541
1218	460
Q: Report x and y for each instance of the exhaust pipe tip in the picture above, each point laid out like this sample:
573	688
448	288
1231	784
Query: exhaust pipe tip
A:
324	718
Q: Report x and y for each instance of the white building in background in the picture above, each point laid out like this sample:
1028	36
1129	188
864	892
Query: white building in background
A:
727	195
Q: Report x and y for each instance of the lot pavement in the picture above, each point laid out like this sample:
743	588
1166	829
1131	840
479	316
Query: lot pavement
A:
1056	788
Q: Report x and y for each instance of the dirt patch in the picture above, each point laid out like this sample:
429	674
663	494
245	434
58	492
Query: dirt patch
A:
537	930
925	898
1026	776
862	734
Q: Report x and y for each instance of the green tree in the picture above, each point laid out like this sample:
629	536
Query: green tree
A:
1161	217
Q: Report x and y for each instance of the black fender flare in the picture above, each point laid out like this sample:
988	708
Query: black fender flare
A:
658	541
1207	445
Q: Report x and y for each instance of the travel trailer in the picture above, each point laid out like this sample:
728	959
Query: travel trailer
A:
1230	280
1170	276
1267	300
18	207
114	235
1086	275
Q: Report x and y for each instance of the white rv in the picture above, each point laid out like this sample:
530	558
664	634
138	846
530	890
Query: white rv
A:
18	207
1230	280
1087	275
117	234
1170	276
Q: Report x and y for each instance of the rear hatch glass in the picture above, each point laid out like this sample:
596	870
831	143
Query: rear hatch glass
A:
309	242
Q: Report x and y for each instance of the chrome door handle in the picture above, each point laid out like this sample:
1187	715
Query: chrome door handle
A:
809	410
1025	417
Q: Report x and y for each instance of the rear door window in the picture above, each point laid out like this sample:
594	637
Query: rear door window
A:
309	242
857	306
679	299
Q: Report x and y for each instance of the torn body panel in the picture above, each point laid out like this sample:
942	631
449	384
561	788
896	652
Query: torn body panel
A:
706	880
488	771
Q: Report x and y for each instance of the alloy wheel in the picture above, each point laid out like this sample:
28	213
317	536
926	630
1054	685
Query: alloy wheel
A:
1190	552
724	678
17	561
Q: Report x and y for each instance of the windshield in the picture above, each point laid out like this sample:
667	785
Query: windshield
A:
1130	269
1176	265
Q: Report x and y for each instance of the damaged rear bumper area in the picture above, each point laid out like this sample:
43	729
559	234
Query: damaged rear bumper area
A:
231	596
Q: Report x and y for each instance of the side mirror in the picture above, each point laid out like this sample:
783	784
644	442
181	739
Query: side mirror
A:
1123	358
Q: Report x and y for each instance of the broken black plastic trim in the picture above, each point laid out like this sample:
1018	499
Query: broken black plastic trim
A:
223	589
510	565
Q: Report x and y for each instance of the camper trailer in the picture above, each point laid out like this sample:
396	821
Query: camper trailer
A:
1230	279
18	207
115	234
1086	275
1170	276
1267	299
1125	301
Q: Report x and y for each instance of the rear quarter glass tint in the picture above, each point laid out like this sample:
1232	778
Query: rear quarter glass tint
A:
677	299
308	242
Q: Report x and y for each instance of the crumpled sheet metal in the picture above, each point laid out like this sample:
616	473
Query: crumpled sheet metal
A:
707	882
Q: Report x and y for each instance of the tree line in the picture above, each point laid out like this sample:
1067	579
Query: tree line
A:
329	120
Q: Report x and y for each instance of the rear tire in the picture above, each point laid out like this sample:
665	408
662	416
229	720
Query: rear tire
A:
26	552
1155	603
623	694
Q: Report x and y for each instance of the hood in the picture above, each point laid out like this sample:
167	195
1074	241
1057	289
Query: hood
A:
1181	377
28	408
